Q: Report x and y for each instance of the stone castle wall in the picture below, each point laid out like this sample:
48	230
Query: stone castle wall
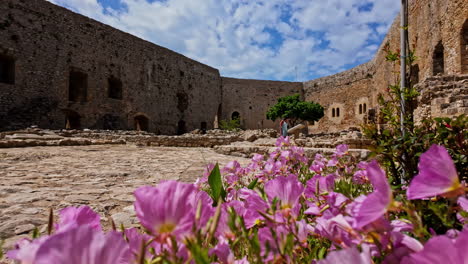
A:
437	32
161	90
252	98
66	70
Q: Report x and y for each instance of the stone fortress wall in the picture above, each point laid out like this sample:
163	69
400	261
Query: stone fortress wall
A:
60	69
438	32
71	69
252	98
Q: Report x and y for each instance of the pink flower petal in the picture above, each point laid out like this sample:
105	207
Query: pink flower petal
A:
437	175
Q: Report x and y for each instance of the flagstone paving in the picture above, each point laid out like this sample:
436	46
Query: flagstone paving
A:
103	177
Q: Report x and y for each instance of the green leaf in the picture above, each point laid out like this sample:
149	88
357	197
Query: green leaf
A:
216	185
253	184
321	253
199	254
35	233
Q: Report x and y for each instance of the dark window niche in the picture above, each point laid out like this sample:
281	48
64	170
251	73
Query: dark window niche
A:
464	47
438	59
78	87
338	112
7	70
333	112
360	109
115	88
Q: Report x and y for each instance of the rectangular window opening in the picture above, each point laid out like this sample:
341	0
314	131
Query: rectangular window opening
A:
7	70
115	88
78	87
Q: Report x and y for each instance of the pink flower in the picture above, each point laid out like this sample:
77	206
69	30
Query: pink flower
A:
72	217
375	204
223	252
317	166
442	249
347	256
282	142
83	245
463	202
318	185
253	203
437	175
341	150
287	190
135	241
167	208
25	250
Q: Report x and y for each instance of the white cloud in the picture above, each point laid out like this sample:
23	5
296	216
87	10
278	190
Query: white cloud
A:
262	39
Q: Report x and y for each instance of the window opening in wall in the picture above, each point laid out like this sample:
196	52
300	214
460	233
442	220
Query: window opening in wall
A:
360	109
438	59
7	70
235	115
78	86
203	127
72	120
333	112
181	127
141	123
464	47
114	88
364	108
414	74
337	112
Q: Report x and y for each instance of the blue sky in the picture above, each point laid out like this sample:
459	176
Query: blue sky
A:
258	39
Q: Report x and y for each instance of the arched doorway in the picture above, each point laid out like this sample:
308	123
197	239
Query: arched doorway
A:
464	47
181	129
72	120
235	115
438	59
203	127
218	117
141	123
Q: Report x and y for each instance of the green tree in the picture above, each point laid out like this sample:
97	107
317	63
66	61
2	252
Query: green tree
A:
295	109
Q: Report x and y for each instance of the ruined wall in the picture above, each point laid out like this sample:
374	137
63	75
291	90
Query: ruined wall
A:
438	33
252	98
59	69
161	91
344	97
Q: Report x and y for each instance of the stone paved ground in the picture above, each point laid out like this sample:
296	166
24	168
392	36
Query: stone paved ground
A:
104	177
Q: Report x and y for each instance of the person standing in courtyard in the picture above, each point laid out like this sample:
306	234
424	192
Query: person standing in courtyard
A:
284	127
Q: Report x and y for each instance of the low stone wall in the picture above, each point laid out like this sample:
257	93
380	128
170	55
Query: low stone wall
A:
32	137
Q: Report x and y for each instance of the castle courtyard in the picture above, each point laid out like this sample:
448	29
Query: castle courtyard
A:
36	179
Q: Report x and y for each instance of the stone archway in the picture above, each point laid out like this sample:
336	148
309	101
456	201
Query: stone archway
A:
181	128
141	123
218	117
72	120
235	115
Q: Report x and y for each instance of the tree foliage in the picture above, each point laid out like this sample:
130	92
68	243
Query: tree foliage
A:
294	108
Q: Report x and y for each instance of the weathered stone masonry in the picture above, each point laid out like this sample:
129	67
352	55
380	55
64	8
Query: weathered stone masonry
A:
73	71
59	69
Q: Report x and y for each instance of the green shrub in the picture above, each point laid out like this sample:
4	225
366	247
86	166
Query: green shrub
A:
230	125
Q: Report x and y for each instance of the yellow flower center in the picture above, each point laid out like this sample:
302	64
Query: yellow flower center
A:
167	228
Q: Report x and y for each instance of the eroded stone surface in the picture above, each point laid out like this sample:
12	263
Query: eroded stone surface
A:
103	177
